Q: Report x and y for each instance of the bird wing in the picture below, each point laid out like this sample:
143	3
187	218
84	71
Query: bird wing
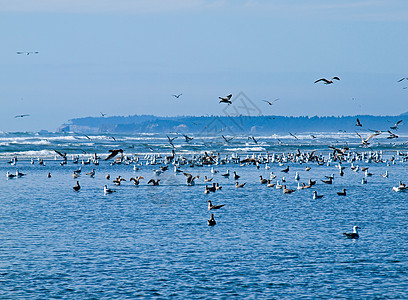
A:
60	154
373	135
398	122
398	80
335	77
112	154
322	79
270	103
362	140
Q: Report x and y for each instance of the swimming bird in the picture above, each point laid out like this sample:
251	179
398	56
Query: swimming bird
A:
330	181
76	187
136	180
211	221
217	186
271	102
206	179
307	168
226	174
27	52
262	180
358	123
21	116
177	96
287	191
49	175
352	235
326	81
18	174
236	176
286	170
364	181
343	193
113	153
297	176
237	185
190	178
211	206
227	139
9	175
107	176
316	196
154	182
226	99
92	173
106	190
269	183
386	174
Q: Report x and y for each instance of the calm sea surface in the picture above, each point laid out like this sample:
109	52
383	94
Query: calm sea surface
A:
154	242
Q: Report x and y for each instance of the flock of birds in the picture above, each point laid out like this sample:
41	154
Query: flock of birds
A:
339	157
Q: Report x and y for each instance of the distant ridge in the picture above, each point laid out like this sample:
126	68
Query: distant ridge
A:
231	125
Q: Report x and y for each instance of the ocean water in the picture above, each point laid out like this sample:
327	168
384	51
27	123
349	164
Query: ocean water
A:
154	242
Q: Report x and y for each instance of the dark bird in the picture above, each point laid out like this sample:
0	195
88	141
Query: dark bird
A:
227	139
177	96
293	135
211	221
113	153
21	116
271	102
343	193
358	123
211	206
155	182
88	137
236	176
171	140
103	114
392	135
286	170
226	99
76	187
352	235
253	138
316	196
326	81
63	155
329	181
405	78
27	52
395	127
238	185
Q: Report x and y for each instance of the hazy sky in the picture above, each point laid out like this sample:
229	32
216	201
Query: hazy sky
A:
125	57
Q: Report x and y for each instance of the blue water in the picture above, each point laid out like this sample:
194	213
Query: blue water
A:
154	242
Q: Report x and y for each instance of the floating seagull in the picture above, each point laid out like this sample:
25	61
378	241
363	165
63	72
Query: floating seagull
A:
106	190
286	170
236	176
76	187
271	102
9	175
190	178
326	81
211	221
18	174
177	96
226	99
286	190
27	52
262	180
352	235
316	196
207	179
343	193
92	173
237	185
211	206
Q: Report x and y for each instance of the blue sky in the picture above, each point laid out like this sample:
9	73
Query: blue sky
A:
128	57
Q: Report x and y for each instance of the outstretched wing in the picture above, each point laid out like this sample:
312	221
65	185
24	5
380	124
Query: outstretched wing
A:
322	79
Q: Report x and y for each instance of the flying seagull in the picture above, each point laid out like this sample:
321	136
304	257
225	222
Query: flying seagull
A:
271	102
102	114
21	116
326	81
113	153
293	135
27	53
365	142
405	78
358	123
227	139
177	96
226	99
395	127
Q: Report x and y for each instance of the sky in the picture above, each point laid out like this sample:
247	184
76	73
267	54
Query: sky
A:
126	57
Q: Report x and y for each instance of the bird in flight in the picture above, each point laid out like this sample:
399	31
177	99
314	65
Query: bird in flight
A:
405	78
227	139
177	96
271	102
21	116
365	142
326	81
254	139
293	135
27	53
358	123
113	153
226	99
102	114
395	127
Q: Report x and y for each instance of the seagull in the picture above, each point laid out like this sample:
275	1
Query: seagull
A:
227	139
253	138
225	99
358	123
365	142
177	96
136	180
237	185
21	116
354	234
236	176
113	153
9	175
395	127
293	135
211	221
106	190
28	53
326	81
211	206
155	182
92	173
405	78
188	139
271	102
316	196
102	114
18	174
190	178
76	187
343	193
